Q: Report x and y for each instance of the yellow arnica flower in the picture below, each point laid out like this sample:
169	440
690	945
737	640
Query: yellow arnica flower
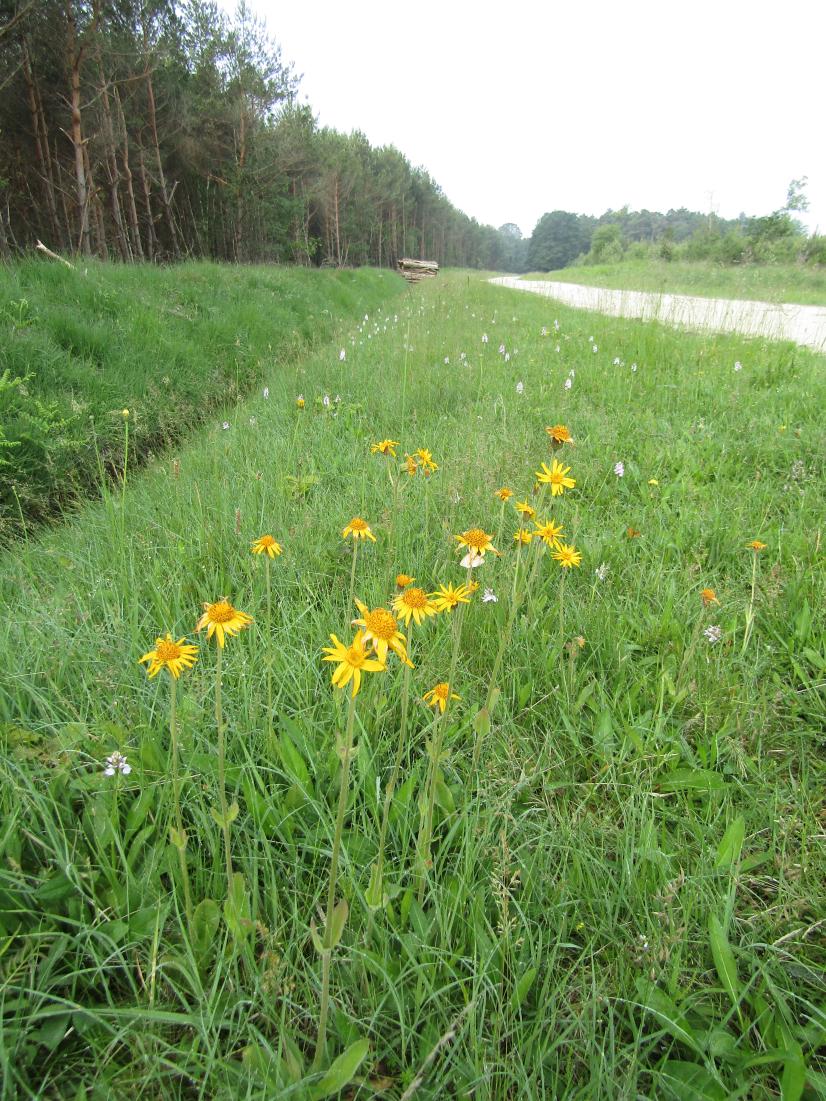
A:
567	556
353	660
410	465
174	656
266	545
222	619
415	604
384	447
403	580
756	545
504	494
559	435
556	477
708	596
477	541
523	536
549	532
653	482
300	402
525	510
381	631
448	597
439	696
359	529
426	461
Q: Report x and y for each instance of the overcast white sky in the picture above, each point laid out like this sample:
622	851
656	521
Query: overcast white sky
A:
520	108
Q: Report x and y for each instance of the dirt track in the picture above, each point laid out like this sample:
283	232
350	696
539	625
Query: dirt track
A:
803	324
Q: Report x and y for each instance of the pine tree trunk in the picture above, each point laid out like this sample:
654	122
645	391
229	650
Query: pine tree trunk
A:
151	239
41	144
153	126
74	57
132	210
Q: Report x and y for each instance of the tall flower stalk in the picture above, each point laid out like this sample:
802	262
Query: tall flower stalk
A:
268	547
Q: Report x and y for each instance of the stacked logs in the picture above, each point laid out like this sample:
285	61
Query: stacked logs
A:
416	270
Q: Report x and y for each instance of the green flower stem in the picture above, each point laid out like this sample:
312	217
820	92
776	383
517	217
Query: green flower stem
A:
750	609
222	787
180	842
269	655
331	891
426	832
353	576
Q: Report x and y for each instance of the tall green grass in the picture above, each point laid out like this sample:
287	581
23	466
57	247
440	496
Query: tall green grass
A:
798	283
627	901
171	345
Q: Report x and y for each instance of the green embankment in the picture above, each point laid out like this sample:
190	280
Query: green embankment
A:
171	345
767	283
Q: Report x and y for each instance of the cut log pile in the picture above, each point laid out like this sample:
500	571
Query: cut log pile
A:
416	270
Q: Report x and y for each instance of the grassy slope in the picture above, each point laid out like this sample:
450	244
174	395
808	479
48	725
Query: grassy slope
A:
170	344
576	885
770	283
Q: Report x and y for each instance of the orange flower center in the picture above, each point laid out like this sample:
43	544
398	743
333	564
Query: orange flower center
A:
266	541
358	524
414	598
402	580
222	612
167	650
476	539
381	624
559	433
441	691
356	656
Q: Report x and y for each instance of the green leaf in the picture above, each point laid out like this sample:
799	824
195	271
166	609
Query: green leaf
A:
342	1070
237	909
691	1082
339	920
205	921
724	959
693	779
522	988
793	1081
375	896
481	723
659	1005
444	797
292	760
728	851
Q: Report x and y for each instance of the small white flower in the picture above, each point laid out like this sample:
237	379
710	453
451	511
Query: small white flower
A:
602	570
484	338
543	331
738	366
568	384
116	763
489	597
300	397
619	469
556	326
713	634
595	349
342	355
325	401
471	560
462	356
520	387
507	357
266	391
590	340
337	399
366	317
225	425
557	347
501	349
252	420
572	373
633	367
447	359
616	361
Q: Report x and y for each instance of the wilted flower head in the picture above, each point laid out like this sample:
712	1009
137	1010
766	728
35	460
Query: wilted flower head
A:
619	469
713	634
708	596
489	597
602	570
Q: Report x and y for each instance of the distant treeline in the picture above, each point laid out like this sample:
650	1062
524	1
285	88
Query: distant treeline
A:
561	238
161	129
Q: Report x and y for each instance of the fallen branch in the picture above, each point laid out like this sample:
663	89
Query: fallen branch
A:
42	248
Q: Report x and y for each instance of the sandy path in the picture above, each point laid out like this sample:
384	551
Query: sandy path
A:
802	324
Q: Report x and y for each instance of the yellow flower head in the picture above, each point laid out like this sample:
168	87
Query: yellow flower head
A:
439	696
381	631
222	619
266	545
756	546
352	661
525	510
708	596
653	482
448	597
559	435
567	556
300	402
415	604
633	533
403	580
476	541
504	494
174	656
426	461
359	529
385	447
548	532
523	537
556	477
410	465
125	414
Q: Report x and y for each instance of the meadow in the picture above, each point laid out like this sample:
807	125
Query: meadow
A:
800	283
598	872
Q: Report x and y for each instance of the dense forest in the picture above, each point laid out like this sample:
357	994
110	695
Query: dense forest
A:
161	129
